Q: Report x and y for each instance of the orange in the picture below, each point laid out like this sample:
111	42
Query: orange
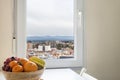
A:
13	63
17	68
23	60
30	66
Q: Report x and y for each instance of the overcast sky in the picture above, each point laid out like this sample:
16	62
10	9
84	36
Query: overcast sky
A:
50	17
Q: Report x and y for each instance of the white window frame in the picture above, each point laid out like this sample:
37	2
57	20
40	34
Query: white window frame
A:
20	30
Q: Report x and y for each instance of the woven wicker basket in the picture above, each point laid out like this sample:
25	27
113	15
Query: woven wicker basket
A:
23	75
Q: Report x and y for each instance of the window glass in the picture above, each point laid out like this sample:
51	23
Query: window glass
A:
50	28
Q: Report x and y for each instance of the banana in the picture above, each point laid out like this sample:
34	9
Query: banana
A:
38	61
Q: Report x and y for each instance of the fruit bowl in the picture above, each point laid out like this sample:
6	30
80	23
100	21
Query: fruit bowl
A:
36	75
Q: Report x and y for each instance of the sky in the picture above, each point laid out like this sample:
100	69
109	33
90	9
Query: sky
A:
50	17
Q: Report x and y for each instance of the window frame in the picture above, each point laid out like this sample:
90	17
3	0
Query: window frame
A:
20	31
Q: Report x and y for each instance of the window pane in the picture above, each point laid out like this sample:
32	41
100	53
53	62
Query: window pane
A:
50	30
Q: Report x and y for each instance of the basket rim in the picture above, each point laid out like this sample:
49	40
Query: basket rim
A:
24	72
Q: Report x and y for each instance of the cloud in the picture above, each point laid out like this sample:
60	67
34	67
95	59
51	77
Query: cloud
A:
53	17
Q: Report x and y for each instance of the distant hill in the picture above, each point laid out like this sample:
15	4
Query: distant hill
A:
51	38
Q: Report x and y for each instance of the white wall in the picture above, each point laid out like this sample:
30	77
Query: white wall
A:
102	22
5	29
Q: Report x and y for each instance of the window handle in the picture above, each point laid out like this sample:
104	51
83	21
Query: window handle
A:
80	18
14	46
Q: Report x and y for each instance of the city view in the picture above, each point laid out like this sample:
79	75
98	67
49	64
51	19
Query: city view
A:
50	29
50	47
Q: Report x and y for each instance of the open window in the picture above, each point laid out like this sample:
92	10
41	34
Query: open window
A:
50	29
